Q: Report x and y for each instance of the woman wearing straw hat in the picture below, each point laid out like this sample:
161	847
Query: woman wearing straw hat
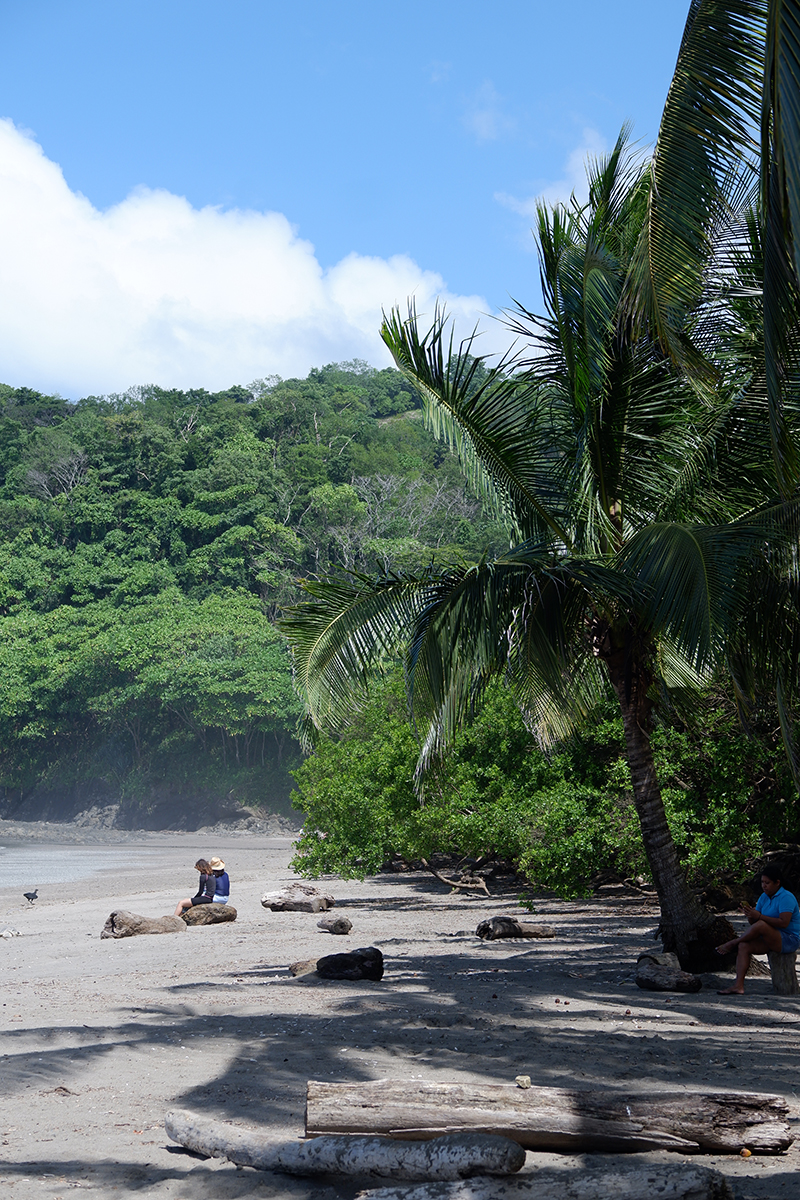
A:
223	884
205	888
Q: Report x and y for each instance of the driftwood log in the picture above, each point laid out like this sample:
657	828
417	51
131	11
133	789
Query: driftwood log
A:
662	973
783	969
126	924
642	1183
455	1156
298	897
335	924
366	963
510	927
543	1118
209	914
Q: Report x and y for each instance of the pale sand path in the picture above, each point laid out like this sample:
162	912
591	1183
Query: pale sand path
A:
210	1019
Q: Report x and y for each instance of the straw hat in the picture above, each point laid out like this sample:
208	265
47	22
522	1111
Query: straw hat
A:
216	864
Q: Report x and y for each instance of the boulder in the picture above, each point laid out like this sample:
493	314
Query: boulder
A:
358	964
126	924
209	914
298	897
335	924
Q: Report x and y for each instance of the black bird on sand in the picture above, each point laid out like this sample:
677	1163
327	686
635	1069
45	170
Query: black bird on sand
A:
31	896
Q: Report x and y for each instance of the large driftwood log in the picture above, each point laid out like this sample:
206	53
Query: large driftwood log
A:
662	973
209	914
455	1156
543	1118
127	924
641	1183
298	897
783	968
510	927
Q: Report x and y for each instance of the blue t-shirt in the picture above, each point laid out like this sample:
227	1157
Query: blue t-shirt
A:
781	902
223	887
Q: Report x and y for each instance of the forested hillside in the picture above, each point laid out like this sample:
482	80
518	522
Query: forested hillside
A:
148	542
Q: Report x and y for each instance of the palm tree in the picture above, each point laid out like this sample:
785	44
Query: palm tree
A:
624	454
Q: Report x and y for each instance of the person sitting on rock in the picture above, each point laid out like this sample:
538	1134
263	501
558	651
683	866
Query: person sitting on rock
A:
774	928
222	890
205	888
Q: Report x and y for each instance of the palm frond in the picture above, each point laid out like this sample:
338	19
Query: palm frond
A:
487	416
351	628
708	125
697	579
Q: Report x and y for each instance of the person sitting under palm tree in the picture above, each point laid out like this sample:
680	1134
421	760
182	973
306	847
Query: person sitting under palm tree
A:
774	928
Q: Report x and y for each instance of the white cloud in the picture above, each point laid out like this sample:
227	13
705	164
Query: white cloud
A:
573	180
156	291
486	118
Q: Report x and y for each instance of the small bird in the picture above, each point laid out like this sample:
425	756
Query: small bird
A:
31	896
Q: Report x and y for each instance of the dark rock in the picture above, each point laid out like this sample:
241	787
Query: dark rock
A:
358	964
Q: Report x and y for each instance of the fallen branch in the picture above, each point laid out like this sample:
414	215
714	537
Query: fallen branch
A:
641	1183
478	884
453	1157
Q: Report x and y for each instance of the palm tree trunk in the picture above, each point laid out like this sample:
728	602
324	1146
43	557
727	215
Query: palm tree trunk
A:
687	928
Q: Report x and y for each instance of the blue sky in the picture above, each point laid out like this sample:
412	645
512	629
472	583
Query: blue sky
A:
396	147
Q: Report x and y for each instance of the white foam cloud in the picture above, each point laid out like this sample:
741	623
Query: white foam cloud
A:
560	190
156	291
486	118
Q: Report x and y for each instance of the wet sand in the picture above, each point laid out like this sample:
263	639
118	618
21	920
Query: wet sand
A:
100	1038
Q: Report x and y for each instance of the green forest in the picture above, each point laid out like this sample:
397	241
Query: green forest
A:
149	541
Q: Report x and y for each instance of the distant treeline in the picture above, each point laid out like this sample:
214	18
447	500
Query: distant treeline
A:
147	542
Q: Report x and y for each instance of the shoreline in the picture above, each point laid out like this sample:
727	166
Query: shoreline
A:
72	833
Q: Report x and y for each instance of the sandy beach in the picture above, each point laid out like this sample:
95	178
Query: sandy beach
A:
100	1038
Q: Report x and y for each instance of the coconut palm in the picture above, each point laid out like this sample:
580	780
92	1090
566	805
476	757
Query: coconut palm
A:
626	455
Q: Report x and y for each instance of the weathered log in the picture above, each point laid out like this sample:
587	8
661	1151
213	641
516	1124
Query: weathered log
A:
127	924
641	1183
298	897
544	1118
455	1156
366	963
783	968
510	927
338	924
209	914
662	973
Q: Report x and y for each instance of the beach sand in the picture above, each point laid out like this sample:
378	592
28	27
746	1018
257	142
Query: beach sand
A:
100	1038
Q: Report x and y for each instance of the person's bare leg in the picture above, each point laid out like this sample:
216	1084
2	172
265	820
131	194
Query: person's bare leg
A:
182	907
759	939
